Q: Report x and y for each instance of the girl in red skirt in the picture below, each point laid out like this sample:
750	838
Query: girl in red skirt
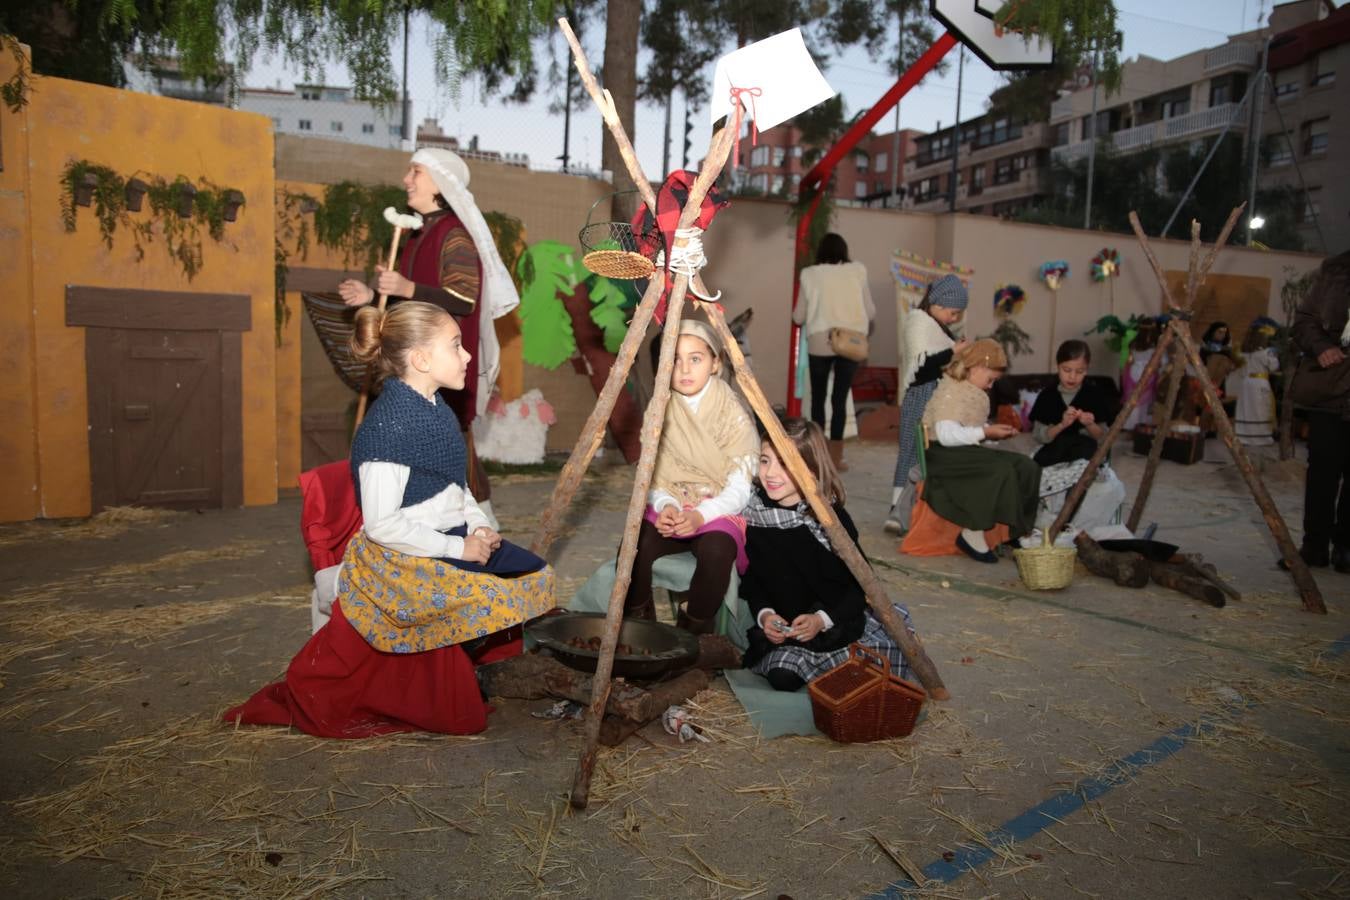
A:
428	590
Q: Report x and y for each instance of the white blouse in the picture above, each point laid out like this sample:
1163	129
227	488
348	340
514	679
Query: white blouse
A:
415	530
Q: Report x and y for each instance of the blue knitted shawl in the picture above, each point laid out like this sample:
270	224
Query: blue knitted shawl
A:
404	427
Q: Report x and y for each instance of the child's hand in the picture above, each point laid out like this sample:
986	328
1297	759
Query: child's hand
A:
998	432
493	538
775	628
959	346
691	521
1086	417
805	627
1069	417
666	520
476	549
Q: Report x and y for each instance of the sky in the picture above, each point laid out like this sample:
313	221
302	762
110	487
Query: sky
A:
1159	28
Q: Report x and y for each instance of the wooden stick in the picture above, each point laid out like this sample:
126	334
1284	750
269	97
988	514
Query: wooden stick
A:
1298	569
1175	377
652	422
593	432
605	104
651	432
1195	278
1104	447
370	369
842	544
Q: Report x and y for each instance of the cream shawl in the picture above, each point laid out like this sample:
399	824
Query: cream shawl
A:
700	449
921	336
957	401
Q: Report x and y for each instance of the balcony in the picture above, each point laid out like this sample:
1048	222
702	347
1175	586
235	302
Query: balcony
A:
1062	108
1033	136
1140	137
1231	56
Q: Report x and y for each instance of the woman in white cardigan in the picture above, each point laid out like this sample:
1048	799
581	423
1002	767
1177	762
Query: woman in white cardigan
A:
834	294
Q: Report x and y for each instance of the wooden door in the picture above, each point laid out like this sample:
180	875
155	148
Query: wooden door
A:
155	417
165	395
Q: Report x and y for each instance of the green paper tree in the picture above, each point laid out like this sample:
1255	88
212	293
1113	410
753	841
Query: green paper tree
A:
547	270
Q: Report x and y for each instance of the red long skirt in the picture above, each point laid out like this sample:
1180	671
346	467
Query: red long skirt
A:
339	686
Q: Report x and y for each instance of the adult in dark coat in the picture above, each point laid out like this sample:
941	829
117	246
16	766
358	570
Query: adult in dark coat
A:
1322	331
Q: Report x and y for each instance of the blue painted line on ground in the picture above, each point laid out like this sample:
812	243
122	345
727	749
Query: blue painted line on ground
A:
1050	811
1338	646
1046	813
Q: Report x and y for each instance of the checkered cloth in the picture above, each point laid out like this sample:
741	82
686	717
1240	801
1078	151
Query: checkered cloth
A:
911	413
770	515
809	665
670	201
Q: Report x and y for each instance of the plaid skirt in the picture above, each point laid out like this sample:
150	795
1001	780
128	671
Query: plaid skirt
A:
911	414
809	665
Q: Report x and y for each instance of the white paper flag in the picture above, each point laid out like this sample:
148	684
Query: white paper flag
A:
782	71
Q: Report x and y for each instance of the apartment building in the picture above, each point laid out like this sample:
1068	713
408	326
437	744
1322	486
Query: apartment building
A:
1002	167
1183	101
1306	123
317	110
775	164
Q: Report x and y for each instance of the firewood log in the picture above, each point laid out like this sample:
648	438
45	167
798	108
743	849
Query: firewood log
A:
1125	569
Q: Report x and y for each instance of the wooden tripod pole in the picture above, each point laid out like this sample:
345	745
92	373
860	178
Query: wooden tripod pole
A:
842	544
652	422
593	432
1196	278
1176	375
1298	569
364	400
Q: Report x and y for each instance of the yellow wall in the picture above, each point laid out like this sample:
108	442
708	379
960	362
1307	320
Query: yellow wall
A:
19	498
129	132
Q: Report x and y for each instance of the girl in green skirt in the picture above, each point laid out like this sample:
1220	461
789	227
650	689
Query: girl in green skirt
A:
970	485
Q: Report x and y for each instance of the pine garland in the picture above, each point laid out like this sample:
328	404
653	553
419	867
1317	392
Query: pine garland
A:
181	235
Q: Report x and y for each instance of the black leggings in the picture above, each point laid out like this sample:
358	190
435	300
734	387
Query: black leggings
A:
844	370
715	554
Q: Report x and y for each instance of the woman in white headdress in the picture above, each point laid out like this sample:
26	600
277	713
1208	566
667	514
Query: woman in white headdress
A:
451	262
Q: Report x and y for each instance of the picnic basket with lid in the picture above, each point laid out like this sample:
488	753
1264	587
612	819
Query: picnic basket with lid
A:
860	700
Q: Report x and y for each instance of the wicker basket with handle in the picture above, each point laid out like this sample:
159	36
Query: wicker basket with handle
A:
859	700
1046	568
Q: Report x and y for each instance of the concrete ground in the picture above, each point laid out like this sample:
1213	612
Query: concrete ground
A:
1101	741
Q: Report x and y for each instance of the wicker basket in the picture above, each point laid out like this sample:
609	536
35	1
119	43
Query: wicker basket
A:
614	250
1046	568
859	700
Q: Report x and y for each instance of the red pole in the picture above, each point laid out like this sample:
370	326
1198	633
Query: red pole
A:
819	177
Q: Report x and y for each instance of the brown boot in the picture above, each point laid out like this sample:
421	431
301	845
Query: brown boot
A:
837	455
695	626
645	611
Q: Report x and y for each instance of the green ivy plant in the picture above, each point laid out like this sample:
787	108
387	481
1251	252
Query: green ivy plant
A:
292	228
351	219
15	91
182	236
